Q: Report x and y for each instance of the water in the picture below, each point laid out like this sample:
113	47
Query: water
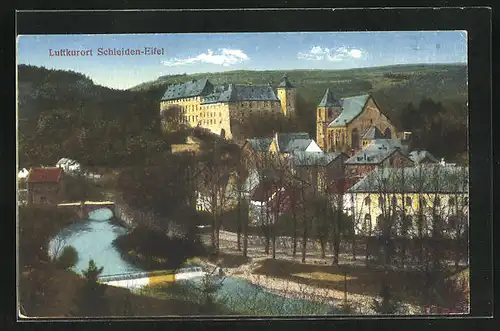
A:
93	239
250	299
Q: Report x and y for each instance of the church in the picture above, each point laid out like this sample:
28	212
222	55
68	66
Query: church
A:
351	124
201	104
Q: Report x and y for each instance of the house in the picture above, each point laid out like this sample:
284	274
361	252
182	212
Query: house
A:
380	153
282	143
45	185
270	200
23	174
422	157
199	103
342	123
421	193
322	169
68	165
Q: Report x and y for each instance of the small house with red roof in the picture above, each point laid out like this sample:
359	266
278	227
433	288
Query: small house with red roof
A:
45	185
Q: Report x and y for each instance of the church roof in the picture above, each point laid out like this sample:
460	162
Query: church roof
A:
372	133
329	100
285	83
414	180
305	159
351	108
235	93
188	89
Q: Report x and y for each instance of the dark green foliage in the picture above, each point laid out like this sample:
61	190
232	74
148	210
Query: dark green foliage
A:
434	124
165	188
151	244
90	300
63	114
68	258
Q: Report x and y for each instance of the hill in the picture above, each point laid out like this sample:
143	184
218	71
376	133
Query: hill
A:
394	87
439	81
64	114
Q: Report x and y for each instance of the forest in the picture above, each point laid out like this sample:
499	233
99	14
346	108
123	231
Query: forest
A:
64	114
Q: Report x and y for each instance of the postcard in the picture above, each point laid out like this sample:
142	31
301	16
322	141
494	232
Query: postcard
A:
243	174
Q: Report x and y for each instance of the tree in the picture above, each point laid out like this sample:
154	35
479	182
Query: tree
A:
91	299
68	258
218	161
387	304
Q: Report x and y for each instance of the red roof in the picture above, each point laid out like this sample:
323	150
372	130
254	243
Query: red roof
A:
45	175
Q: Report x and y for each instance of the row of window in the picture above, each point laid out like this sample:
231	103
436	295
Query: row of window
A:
408	201
187	119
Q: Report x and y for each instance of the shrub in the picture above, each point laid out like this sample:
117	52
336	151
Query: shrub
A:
68	258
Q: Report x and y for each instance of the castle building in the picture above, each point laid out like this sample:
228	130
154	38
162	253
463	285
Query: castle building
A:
201	104
349	124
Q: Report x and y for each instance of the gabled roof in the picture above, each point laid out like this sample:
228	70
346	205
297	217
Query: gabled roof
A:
285	83
296	141
351	108
188	89
235	93
377	152
260	144
329	100
45	175
431	179
309	159
372	133
419	156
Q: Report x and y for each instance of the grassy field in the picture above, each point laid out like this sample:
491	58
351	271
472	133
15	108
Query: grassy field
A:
406	285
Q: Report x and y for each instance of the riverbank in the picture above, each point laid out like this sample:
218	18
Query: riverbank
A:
46	291
317	279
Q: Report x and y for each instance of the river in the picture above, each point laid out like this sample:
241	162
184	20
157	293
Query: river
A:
93	239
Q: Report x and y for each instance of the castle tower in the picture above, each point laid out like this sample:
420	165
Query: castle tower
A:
286	94
328	109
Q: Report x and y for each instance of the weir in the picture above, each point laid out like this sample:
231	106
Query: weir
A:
136	280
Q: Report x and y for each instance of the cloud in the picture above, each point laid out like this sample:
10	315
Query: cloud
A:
318	53
224	57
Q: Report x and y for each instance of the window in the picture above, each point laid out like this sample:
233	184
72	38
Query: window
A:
387	133
451	201
408	201
380	202
367	224
367	201
355	138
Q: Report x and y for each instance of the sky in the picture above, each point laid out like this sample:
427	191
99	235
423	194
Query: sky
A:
216	52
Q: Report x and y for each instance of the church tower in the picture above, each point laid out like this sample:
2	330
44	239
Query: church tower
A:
328	109
286	94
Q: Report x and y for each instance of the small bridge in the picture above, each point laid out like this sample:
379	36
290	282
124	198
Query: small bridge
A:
135	280
85	207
